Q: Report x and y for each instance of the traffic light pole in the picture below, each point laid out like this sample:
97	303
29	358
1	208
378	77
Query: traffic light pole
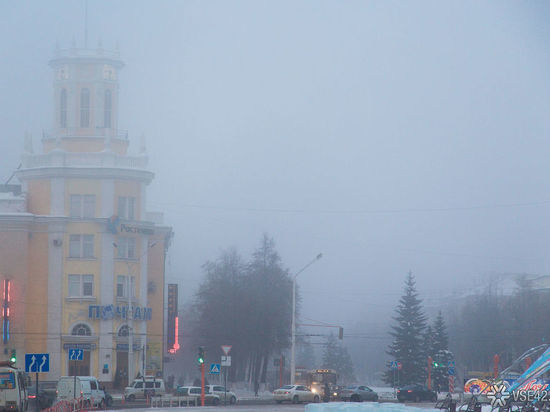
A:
37	398
202	384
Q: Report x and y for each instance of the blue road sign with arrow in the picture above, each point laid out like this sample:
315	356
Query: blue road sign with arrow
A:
76	354
37	362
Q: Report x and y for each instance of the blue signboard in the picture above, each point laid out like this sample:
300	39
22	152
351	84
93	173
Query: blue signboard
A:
76	354
215	368
37	362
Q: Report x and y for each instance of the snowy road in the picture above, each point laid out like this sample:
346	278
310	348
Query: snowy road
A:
234	408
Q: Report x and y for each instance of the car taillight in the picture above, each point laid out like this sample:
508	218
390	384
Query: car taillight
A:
287	392
32	396
409	391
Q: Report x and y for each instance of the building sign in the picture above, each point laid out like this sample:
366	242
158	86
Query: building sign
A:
171	333
114	227
83	346
119	312
123	347
135	229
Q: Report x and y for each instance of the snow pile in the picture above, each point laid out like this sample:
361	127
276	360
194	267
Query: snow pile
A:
364	407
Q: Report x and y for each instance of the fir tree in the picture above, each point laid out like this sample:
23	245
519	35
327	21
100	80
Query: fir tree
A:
440	337
440	354
336	356
408	337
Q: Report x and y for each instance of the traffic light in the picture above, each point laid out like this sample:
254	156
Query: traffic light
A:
200	357
13	357
436	365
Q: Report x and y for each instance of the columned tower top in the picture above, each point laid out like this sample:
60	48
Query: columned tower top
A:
86	102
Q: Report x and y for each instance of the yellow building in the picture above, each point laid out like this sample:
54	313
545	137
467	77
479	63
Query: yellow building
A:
81	259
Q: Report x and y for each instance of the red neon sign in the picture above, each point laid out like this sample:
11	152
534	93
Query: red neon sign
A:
176	346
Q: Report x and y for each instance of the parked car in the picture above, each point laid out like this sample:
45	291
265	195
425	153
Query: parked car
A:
222	393
358	393
46	395
87	387
416	393
144	387
295	394
45	399
195	393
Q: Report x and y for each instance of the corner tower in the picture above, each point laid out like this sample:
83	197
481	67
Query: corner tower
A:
86	102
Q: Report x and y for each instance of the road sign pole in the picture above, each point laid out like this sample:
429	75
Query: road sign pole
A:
202	384
225	386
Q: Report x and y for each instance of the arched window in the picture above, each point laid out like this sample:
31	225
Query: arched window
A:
85	108
63	109
123	331
107	109
81	330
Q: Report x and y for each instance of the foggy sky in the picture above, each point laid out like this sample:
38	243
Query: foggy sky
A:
390	136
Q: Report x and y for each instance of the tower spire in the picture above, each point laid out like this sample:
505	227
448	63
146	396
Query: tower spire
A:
85	24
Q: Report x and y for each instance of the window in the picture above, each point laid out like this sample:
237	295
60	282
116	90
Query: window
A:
126	207
81	246
63	109
82	206
131	203
93	385
107	109
126	247
88	246
122	207
122	286
81	286
123	331
85	108
81	330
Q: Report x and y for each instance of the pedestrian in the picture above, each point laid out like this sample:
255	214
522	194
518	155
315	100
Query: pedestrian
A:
326	396
256	388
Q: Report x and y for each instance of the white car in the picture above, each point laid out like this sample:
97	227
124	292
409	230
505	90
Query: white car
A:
222	393
295	394
144	387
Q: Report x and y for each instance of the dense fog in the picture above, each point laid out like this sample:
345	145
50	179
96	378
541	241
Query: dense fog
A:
388	136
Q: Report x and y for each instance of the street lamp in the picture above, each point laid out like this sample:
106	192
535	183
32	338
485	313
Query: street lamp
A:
130	286
293	341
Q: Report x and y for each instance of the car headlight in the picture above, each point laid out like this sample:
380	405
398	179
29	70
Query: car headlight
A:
314	390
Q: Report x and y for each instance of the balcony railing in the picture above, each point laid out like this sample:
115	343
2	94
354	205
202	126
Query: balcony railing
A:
77	52
88	133
94	159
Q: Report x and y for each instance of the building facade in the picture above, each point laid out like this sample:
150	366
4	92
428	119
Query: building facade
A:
81	259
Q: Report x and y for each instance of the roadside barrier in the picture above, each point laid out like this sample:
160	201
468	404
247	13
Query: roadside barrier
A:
74	405
170	401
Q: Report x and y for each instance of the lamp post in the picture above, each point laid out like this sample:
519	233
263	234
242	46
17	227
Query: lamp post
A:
293	338
130	286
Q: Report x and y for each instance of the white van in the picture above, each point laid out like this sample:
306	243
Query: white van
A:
13	388
87	388
144	387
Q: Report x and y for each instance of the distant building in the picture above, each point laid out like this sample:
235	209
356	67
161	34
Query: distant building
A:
81	259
